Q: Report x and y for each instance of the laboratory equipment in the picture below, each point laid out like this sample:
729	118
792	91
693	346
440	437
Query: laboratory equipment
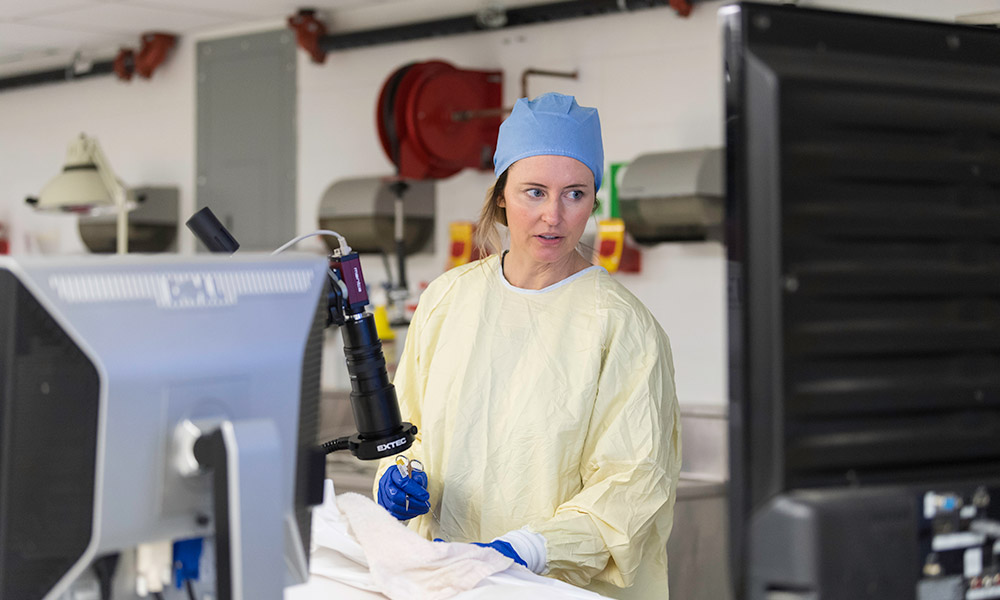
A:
88	186
137	388
152	226
863	265
674	196
381	431
407	466
151	400
370	212
363	210
211	232
433	121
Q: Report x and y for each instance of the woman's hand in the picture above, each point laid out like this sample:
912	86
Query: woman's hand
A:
404	497
503	548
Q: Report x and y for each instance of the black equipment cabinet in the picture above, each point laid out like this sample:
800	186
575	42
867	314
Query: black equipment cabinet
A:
863	232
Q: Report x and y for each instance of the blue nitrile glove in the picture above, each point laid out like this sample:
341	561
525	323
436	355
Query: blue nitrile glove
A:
404	497
503	548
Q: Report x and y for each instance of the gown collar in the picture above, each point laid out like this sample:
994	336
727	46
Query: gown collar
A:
556	285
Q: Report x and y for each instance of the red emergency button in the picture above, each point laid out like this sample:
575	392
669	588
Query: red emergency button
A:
608	247
462	250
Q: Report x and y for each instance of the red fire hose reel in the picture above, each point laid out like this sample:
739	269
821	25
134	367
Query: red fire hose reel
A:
435	120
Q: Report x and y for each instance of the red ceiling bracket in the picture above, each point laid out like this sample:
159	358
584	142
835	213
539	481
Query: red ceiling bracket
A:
154	50
155	47
308	31
124	64
683	7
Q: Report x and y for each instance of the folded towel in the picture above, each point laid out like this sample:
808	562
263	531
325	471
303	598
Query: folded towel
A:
405	566
335	553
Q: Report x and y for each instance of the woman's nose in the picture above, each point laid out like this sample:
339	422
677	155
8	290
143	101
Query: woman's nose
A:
552	212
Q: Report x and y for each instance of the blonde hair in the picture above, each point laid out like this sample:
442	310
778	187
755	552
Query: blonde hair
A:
487	237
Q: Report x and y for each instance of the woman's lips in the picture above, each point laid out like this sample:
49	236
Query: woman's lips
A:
549	240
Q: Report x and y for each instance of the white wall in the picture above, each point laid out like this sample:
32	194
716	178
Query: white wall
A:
655	77
146	129
656	80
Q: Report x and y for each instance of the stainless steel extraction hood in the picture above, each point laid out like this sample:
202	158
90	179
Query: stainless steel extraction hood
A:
674	196
152	225
363	210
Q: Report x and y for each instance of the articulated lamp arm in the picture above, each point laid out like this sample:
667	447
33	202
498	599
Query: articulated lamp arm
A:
91	153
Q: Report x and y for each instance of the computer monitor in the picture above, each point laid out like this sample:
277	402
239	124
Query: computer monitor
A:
863	234
111	369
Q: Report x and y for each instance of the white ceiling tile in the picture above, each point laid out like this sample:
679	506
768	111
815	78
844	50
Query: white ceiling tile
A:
16	9
232	10
21	37
131	18
47	31
257	8
245	8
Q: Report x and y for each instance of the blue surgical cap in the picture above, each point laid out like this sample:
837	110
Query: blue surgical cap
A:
551	124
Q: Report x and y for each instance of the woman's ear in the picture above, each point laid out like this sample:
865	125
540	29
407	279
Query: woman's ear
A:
597	206
501	202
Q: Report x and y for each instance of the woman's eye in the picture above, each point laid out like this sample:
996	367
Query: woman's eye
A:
535	193
576	194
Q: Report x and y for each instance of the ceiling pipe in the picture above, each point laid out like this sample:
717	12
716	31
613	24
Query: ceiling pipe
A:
152	53
97	69
313	38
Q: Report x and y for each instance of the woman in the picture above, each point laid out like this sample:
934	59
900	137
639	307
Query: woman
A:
543	390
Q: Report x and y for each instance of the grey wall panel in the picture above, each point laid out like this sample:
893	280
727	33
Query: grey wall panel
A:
246	136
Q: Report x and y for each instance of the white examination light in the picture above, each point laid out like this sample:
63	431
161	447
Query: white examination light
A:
87	186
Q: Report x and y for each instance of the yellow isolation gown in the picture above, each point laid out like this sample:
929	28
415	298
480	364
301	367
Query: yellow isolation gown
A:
550	409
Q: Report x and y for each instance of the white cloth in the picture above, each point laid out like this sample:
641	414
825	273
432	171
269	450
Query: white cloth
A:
360	552
405	566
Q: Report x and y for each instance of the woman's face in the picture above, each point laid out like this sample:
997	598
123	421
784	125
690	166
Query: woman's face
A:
548	201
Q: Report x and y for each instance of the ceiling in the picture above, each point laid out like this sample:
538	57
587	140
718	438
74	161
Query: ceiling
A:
40	35
47	34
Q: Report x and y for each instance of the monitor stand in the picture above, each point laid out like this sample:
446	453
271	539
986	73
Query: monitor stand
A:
245	461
